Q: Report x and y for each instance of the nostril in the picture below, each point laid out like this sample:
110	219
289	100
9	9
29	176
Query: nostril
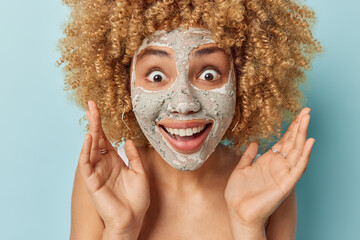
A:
184	91
184	103
183	113
190	112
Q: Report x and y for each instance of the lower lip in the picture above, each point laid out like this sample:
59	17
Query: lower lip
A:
187	146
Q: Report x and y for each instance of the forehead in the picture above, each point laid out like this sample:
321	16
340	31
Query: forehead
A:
182	41
201	51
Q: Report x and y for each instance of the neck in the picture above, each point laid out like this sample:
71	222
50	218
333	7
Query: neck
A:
217	167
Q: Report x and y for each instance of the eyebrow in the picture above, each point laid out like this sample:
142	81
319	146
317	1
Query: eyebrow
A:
156	52
197	53
207	51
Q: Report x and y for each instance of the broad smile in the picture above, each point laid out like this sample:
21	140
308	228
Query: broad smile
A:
185	136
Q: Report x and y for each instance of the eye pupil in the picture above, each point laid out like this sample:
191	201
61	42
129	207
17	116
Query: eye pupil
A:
157	78
209	76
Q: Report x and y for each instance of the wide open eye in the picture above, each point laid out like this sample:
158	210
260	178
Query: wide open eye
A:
156	76
209	75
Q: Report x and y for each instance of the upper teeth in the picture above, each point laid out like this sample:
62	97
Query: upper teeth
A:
185	131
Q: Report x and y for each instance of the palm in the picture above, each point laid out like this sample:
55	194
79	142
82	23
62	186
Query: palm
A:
255	190
121	195
116	190
260	187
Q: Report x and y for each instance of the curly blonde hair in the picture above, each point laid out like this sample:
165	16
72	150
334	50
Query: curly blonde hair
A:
270	40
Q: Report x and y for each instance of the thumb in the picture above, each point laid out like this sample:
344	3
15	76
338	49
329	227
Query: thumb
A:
134	157
248	156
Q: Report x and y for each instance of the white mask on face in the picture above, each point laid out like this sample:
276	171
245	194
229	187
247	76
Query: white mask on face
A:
183	102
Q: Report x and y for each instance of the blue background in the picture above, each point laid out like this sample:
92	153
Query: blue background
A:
41	137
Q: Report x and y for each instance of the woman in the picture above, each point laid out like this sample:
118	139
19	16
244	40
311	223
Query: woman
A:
177	77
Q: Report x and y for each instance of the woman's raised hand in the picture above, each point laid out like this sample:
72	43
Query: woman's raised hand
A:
256	189
120	195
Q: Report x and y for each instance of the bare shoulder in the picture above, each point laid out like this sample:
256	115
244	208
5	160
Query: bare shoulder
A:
281	224
85	221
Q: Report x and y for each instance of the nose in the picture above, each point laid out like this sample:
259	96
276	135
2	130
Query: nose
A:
184	101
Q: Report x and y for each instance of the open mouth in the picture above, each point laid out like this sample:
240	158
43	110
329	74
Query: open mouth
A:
186	140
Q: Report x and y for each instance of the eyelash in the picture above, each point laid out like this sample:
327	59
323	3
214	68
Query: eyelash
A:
152	70
210	67
207	67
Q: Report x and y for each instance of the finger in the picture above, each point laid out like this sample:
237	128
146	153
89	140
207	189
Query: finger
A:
289	142
84	159
134	157
289	145
300	140
301	165
88	116
103	142
296	121
248	156
95	132
290	129
282	140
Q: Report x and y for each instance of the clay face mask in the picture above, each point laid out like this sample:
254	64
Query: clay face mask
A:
183	122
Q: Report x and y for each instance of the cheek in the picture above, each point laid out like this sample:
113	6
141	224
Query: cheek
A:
219	106
147	104
220	103
148	108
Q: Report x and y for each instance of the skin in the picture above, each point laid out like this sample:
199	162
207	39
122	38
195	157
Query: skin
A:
229	197
187	56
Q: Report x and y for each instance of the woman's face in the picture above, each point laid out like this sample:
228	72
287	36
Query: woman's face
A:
183	94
